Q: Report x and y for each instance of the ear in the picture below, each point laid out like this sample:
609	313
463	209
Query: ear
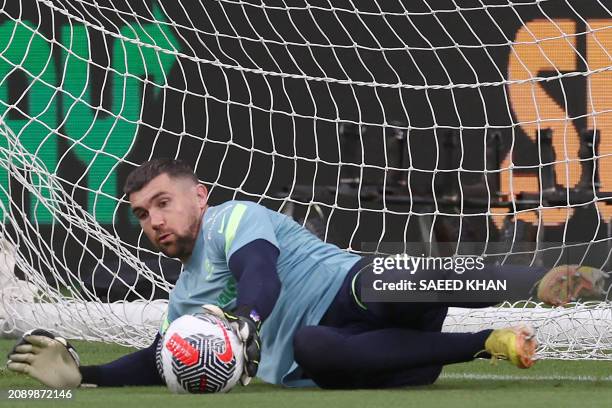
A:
202	194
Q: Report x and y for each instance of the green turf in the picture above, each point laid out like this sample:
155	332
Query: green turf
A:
539	386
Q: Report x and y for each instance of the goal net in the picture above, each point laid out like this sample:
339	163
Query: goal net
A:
446	122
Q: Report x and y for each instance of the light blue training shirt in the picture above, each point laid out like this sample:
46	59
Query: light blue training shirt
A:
310	270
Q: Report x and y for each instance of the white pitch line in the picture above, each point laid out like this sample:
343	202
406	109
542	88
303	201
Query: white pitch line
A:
501	377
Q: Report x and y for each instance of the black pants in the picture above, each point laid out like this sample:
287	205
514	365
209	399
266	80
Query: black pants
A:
384	344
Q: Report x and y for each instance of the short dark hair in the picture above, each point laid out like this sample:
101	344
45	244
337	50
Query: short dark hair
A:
147	171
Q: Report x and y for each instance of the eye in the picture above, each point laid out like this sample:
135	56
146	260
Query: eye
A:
141	215
163	203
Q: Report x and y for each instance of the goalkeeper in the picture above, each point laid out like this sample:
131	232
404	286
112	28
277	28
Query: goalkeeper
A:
295	300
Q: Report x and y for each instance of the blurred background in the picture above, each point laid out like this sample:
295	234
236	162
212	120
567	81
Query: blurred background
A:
413	121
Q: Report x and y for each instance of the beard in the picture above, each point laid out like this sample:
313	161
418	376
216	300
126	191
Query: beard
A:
181	248
183	245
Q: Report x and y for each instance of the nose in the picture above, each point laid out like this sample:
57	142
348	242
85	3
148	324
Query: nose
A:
157	220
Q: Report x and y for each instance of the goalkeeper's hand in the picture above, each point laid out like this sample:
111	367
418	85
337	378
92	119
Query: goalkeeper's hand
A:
46	358
246	324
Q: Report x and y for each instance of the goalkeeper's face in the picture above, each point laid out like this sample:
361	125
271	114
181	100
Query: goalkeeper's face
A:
170	210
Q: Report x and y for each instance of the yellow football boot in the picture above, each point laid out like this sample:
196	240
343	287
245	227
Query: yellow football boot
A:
515	344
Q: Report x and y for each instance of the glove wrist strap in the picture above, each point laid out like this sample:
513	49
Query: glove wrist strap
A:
250	313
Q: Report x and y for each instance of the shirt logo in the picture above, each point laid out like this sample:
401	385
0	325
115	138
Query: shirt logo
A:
222	225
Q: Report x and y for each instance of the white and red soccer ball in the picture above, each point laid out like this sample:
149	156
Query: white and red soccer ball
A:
200	353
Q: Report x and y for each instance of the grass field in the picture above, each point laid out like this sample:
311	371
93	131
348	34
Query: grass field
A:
477	384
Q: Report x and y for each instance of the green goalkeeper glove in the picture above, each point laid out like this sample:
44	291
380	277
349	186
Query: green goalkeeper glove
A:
47	358
246	323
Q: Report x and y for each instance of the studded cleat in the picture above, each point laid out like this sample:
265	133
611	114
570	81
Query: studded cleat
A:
567	283
515	344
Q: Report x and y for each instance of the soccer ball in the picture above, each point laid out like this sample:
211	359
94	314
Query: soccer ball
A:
200	353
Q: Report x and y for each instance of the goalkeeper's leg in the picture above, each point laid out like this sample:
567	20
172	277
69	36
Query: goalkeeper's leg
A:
357	357
376	344
349	307
361	353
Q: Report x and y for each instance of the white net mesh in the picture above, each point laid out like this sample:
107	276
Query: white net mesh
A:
459	121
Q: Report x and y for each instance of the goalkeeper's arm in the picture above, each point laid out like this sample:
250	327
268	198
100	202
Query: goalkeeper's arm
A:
137	368
50	361
254	268
53	362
